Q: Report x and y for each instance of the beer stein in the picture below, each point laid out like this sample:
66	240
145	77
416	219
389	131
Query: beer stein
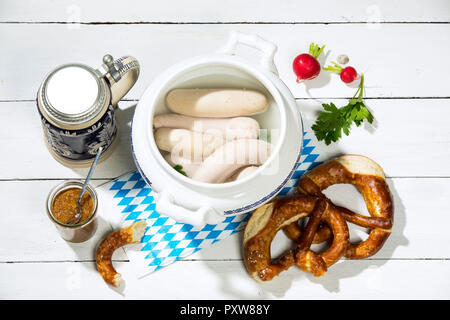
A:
77	106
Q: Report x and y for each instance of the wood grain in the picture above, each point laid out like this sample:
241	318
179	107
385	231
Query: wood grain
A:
379	53
414	230
229	280
402	47
235	11
401	140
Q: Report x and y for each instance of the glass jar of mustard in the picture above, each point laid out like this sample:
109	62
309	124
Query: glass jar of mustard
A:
77	105
61	208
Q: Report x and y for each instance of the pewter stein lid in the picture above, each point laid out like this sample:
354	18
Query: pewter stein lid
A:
74	96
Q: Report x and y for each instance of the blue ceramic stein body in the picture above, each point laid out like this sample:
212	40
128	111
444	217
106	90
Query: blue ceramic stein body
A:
82	145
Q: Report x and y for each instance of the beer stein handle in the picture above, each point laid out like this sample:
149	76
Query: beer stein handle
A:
121	73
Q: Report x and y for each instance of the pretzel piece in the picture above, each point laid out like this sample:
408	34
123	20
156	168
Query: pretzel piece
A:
338	246
294	232
115	240
368	177
267	220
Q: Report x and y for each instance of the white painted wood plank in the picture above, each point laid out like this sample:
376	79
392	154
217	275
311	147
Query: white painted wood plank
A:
396	58
26	155
32	236
287	11
419	204
229	280
410	138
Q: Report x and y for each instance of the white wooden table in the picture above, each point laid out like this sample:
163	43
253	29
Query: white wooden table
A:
403	47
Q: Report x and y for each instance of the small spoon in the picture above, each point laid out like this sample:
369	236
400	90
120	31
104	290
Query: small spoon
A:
76	218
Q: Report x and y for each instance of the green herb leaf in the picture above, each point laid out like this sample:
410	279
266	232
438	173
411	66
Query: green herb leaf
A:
179	168
333	121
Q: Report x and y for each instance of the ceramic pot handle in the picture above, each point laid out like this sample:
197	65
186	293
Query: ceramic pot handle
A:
198	218
267	48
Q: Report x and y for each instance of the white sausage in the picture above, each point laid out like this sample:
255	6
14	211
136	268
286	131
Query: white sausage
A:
188	166
216	103
230	157
242	173
226	128
187	144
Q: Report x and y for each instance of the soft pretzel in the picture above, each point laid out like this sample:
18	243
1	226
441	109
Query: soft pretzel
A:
117	239
326	220
267	220
368	177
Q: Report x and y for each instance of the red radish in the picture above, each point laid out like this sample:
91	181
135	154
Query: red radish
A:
347	74
305	65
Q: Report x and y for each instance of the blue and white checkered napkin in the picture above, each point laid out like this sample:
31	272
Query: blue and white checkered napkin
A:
128	199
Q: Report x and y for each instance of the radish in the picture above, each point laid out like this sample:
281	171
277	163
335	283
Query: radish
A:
347	74
305	65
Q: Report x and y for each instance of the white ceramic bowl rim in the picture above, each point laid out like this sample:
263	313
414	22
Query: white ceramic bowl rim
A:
222	60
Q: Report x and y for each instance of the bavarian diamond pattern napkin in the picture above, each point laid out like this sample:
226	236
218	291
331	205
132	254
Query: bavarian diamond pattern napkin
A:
128	199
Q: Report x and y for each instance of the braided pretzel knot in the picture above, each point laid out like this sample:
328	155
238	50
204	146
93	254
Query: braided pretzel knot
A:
368	177
267	220
326	220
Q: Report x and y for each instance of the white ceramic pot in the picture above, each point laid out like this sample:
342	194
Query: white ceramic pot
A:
198	203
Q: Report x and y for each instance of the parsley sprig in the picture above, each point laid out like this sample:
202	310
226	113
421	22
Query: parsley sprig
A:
333	121
179	168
